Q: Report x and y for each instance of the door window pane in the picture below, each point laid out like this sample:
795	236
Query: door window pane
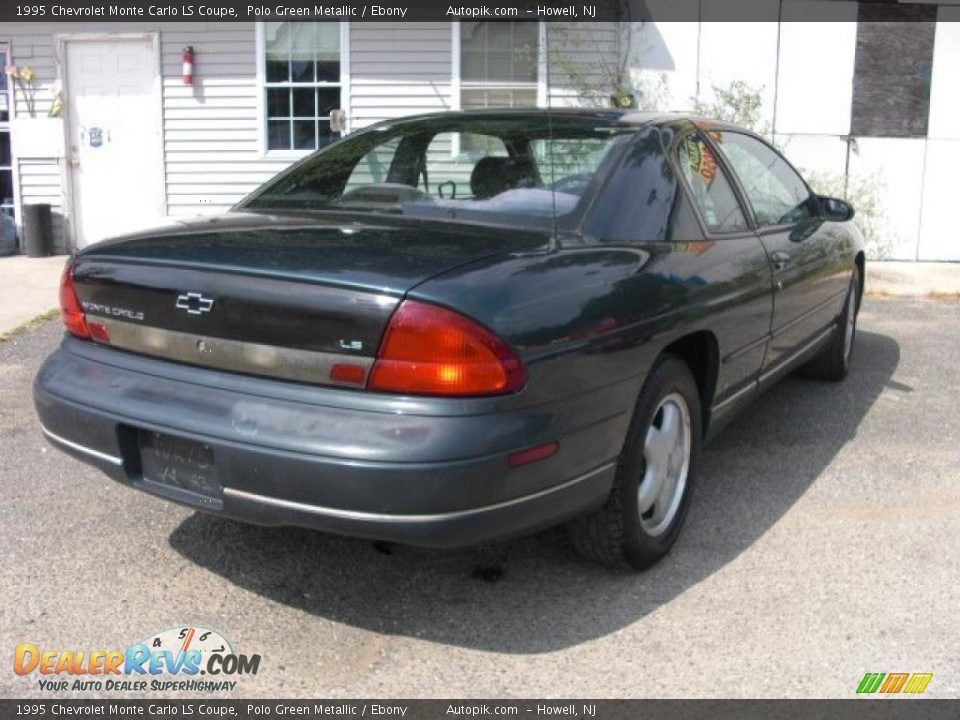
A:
328	100
277	42
304	134
776	193
278	102
304	102
711	192
278	134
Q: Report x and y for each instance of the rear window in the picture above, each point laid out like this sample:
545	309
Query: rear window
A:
460	167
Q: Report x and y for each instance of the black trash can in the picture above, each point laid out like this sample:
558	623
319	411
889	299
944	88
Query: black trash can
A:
37	230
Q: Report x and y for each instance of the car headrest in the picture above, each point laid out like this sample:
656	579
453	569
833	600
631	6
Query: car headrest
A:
494	175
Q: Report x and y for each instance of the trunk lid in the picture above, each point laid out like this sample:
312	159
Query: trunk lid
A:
271	294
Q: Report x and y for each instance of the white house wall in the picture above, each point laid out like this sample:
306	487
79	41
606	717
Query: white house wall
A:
739	51
938	236
667	52
939	239
816	156
212	146
944	95
815	69
896	167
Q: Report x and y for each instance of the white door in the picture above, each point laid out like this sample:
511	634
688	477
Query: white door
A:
114	154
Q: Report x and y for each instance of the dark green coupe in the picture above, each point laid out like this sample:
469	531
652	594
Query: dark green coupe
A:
452	328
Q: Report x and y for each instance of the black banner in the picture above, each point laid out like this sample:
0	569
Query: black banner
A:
427	10
449	709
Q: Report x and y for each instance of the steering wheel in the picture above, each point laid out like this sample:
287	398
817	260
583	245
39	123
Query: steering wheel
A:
576	183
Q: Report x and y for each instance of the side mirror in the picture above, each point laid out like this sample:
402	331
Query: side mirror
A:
835	209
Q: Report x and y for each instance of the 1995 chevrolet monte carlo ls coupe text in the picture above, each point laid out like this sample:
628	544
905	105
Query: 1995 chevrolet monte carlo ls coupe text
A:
459	327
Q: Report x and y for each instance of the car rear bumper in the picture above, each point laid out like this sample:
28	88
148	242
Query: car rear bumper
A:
415	471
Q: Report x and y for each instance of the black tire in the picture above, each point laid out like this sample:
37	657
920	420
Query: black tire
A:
833	362
616	535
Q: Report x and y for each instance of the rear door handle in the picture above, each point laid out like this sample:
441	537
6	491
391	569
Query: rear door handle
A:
780	260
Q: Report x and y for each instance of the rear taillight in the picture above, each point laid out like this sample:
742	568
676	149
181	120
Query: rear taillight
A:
70	311
428	350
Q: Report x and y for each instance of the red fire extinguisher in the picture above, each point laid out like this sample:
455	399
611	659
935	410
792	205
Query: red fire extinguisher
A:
188	65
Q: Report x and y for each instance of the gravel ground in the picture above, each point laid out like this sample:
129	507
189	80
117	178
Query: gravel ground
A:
821	545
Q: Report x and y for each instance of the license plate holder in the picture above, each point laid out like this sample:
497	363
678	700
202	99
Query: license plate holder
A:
177	462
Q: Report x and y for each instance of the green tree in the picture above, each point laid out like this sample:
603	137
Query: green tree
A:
738	103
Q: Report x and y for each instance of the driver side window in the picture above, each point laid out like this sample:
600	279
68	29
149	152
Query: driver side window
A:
776	193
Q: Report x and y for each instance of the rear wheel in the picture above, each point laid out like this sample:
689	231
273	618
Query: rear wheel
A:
655	472
833	362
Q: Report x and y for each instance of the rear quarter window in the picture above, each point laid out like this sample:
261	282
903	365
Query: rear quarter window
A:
636	203
709	188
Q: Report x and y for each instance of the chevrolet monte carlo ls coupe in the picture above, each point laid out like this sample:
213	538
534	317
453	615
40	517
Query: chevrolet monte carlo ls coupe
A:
459	327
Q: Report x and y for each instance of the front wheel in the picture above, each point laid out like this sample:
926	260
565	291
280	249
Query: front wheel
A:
833	362
651	492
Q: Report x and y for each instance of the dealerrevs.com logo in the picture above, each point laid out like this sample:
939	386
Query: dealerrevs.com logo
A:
169	661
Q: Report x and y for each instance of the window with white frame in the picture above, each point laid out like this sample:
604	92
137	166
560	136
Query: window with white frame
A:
301	83
499	64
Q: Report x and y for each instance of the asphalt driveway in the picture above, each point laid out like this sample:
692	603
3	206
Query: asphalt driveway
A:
822	544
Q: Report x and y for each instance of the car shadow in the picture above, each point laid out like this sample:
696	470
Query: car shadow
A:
750	476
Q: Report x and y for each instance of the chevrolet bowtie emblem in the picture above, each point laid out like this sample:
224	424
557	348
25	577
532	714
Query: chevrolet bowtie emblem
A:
194	303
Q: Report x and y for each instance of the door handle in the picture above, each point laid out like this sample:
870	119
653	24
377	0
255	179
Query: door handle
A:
780	260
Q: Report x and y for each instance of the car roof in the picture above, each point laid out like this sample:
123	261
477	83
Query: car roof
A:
637	118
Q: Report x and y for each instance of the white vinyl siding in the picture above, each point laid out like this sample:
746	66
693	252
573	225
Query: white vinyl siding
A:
212	129
398	69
